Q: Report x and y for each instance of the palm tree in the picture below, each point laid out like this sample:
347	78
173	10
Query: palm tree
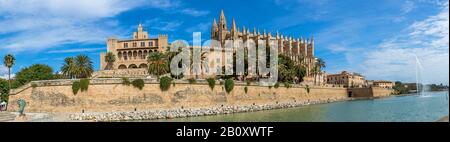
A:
320	63
69	68
315	70
157	64
84	66
110	58
9	61
318	67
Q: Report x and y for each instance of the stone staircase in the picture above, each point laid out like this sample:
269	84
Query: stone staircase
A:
6	116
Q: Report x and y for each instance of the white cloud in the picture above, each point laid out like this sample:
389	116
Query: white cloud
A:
427	39
194	12
4	72
202	27
161	25
40	24
408	6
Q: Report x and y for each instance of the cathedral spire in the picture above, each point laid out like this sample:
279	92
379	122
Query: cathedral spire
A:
233	26
215	23
277	35
214	29
222	21
222	14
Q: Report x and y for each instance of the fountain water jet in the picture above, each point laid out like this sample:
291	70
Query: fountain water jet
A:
420	86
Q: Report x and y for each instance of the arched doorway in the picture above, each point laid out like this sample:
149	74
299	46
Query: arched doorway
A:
143	66
122	67
132	66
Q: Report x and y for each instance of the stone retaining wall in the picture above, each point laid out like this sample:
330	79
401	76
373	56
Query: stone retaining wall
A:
109	95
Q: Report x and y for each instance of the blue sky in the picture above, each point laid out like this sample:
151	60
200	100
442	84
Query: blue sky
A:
378	38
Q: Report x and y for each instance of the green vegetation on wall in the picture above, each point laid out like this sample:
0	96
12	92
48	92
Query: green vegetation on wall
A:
276	85
164	83
126	81
75	87
287	84
81	85
229	85
84	85
211	83
307	89
138	83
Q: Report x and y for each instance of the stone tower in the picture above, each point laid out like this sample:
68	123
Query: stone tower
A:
214	30
223	30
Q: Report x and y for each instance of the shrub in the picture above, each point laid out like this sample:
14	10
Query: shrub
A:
287	84
75	87
229	85
249	82
191	81
173	84
276	85
307	89
164	83
138	83
270	87
245	89
211	83
126	81
4	90
34	85
84	85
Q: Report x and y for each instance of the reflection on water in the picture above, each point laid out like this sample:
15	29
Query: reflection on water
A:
402	108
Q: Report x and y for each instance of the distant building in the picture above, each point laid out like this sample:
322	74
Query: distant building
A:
132	53
347	79
382	84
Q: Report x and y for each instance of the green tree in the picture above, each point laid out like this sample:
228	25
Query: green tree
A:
4	90
33	73
318	67
84	66
288	70
110	58
157	64
69	69
9	61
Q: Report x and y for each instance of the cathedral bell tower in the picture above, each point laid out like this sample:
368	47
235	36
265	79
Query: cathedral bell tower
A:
223	30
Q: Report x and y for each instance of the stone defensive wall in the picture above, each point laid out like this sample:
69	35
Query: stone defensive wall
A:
370	92
110	95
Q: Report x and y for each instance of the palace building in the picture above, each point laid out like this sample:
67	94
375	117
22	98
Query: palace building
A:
347	79
132	53
298	49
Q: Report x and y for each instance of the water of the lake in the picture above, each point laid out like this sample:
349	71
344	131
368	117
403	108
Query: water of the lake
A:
412	108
